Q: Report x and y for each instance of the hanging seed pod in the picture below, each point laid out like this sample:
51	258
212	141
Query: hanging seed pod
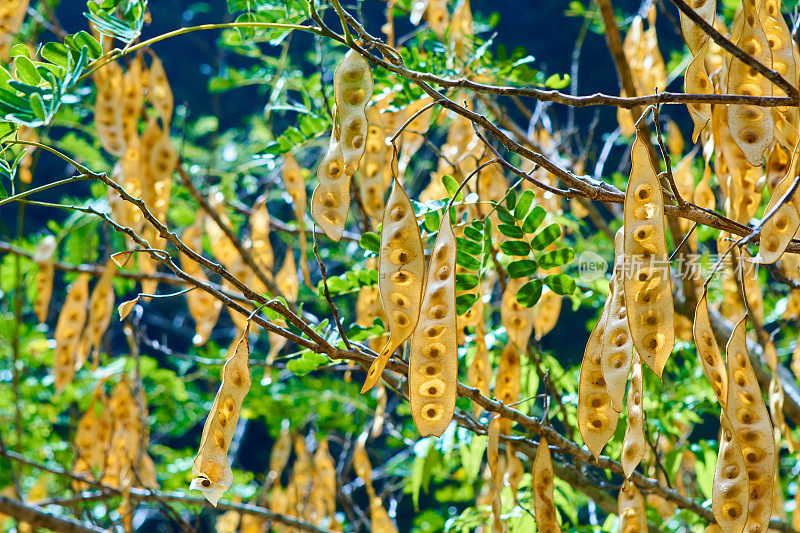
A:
617	348
648	283
516	318
479	372
286	279
163	161
695	37
544	506
330	202
633	445
211	470
546	313
751	426
493	460
296	187
438	17
696	81
160	93
260	247
361	464
107	111
203	306
43	256
751	126
703	196
597	420
730	492
132	100
400	276
709	352
380	411
325	478
281	450
777	231
632	517
507	386
68	331
352	89
101	307
379	518
779	39
433	364
377	156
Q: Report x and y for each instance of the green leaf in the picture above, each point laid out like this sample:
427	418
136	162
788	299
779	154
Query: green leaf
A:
523	204
534	219
515	248
504	216
308	362
560	284
19	50
57	54
473	234
546	237
557	81
467	261
452	185
432	221
522	268
26	71
471	247
466	282
512	232
464	302
371	242
82	39
556	258
511	200
530	293
37	105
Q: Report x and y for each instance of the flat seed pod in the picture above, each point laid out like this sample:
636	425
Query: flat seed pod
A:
516	318
438	17
163	161
632	516
108	112
401	268
296	187
132	100
597	420
751	425
352	89
633	445
203	307
68	331
647	283
281	450
730	492
286	279
546	313
160	92
44	276
507	386
377	156
433	364
703	196
780	43
696	81
325	478
514	469
479	372
260	247
709	353
330	202
544	506
361	464
617	347
101	307
695	37
751	126
379	517
211	470
777	231
493	460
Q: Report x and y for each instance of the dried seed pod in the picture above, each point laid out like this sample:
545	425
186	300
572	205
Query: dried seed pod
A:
433	364
361	464
617	348
647	283
260	247
400	276
751	126
633	445
281	449
379	518
709	353
780	43
286	279
296	187
703	196
159	92
325	478
696	81
479	372
544	506
597	420
377	158
101	307
211	470
68	331
132	100
730	492
107	111
516	318
751	425
162	162
380	411
777	231
352	89
44	277
507	386
493	460
695	37
438	17
330	202
632	517
546	313
203	306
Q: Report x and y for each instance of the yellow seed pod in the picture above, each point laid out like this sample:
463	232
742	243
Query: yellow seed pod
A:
597	420
68	331
260	247
696	81
514	468
516	318
371	184
352	89
204	307
695	37
777	166
546	313
780	43
709	352
379	518
228	522
493	460
461	29
361	464
296	187
281	449
211	470
330	202
107	111
544	506
632	517
751	126
401	269
433	363
286	279
380	411
507	386
325	477
163	161
479	372
730	492
617	347
413	137
647	282
703	196
438	17
625	120
159	92
101	307
633	445
44	277
751	425
132	99
777	231
674	139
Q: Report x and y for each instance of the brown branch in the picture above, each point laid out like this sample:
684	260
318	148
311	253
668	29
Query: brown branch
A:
38	517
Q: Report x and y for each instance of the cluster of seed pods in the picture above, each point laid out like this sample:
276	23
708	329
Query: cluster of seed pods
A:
203	306
43	256
544	506
696	79
69	329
